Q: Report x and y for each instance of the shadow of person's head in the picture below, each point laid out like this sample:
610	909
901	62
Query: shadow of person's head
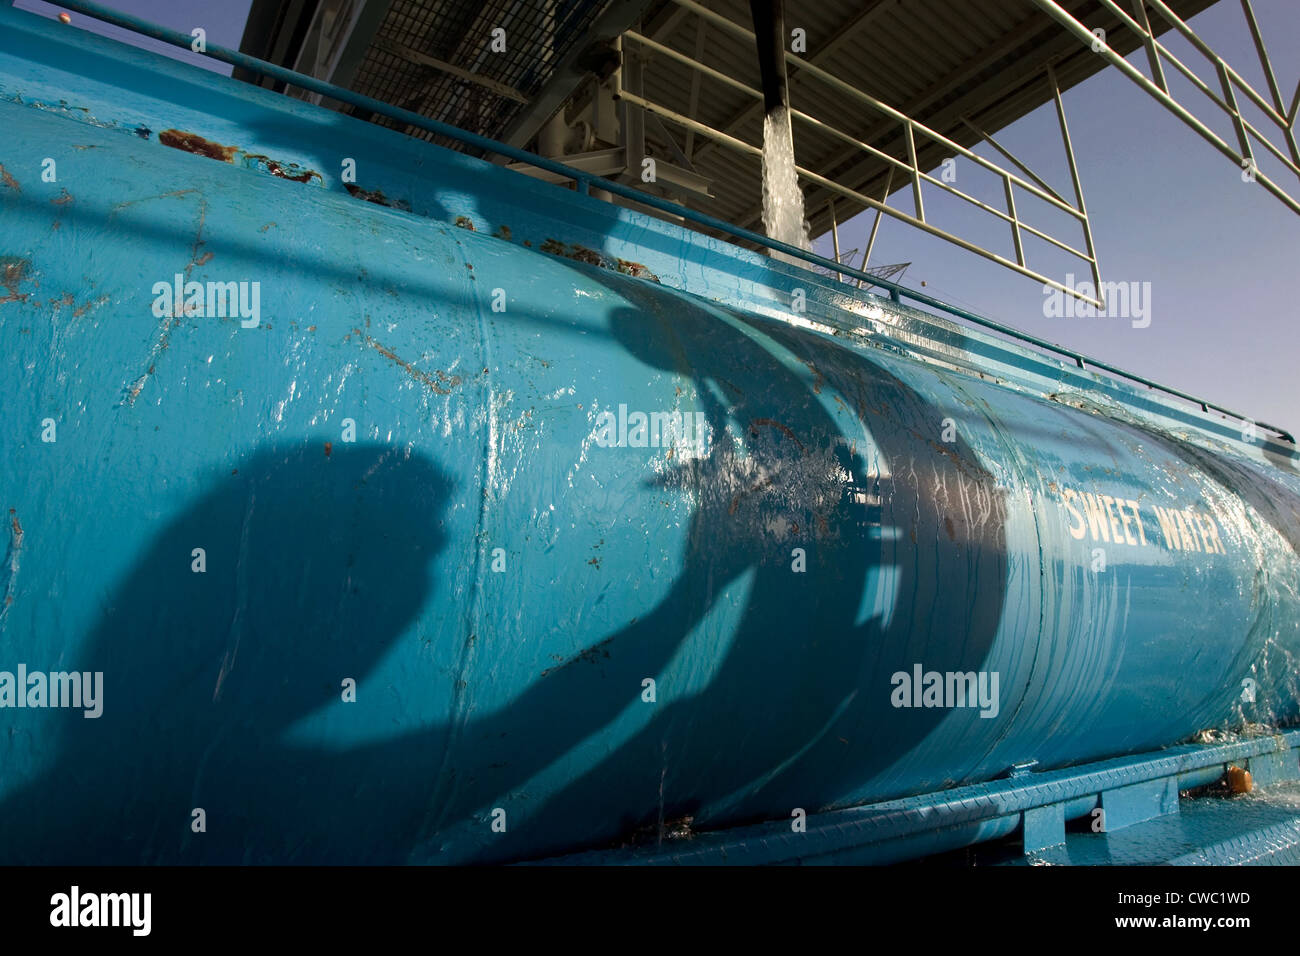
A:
296	569
313	561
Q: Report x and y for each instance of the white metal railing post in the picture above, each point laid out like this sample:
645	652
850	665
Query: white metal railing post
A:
875	226
1078	183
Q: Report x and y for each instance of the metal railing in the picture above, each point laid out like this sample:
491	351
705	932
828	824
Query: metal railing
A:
1229	80
912	130
586	182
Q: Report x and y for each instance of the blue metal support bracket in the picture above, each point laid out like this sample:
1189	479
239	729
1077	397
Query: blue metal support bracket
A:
1131	790
1043	827
1137	803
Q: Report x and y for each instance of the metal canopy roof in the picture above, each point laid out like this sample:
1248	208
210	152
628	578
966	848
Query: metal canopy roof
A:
416	54
945	63
938	61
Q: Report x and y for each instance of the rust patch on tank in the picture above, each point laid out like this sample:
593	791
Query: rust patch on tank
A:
636	269
440	383
62	199
171	195
15	546
591	655
193	143
591	257
464	222
15	274
7	179
377	197
818	380
282	170
503	232
773	423
138	387
676	830
78	313
575	252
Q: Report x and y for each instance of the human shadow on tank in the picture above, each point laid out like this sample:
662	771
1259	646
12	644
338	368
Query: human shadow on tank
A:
797	712
317	561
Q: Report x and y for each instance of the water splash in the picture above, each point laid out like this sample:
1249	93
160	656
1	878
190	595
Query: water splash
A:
783	214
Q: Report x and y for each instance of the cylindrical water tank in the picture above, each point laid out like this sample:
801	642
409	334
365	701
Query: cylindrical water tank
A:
340	533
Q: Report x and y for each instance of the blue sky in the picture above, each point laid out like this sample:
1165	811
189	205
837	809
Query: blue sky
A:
1222	256
222	19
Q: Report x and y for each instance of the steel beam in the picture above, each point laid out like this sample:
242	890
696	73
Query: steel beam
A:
433	63
1264	61
1228	78
845	33
693	104
1085	36
1149	41
1075	179
1011	157
875	225
617	17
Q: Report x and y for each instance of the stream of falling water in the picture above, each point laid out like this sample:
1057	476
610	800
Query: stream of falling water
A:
783	216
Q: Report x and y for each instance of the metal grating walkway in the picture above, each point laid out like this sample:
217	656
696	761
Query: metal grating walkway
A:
537	37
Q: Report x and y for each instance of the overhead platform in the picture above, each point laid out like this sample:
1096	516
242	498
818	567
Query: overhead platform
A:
953	66
883	93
